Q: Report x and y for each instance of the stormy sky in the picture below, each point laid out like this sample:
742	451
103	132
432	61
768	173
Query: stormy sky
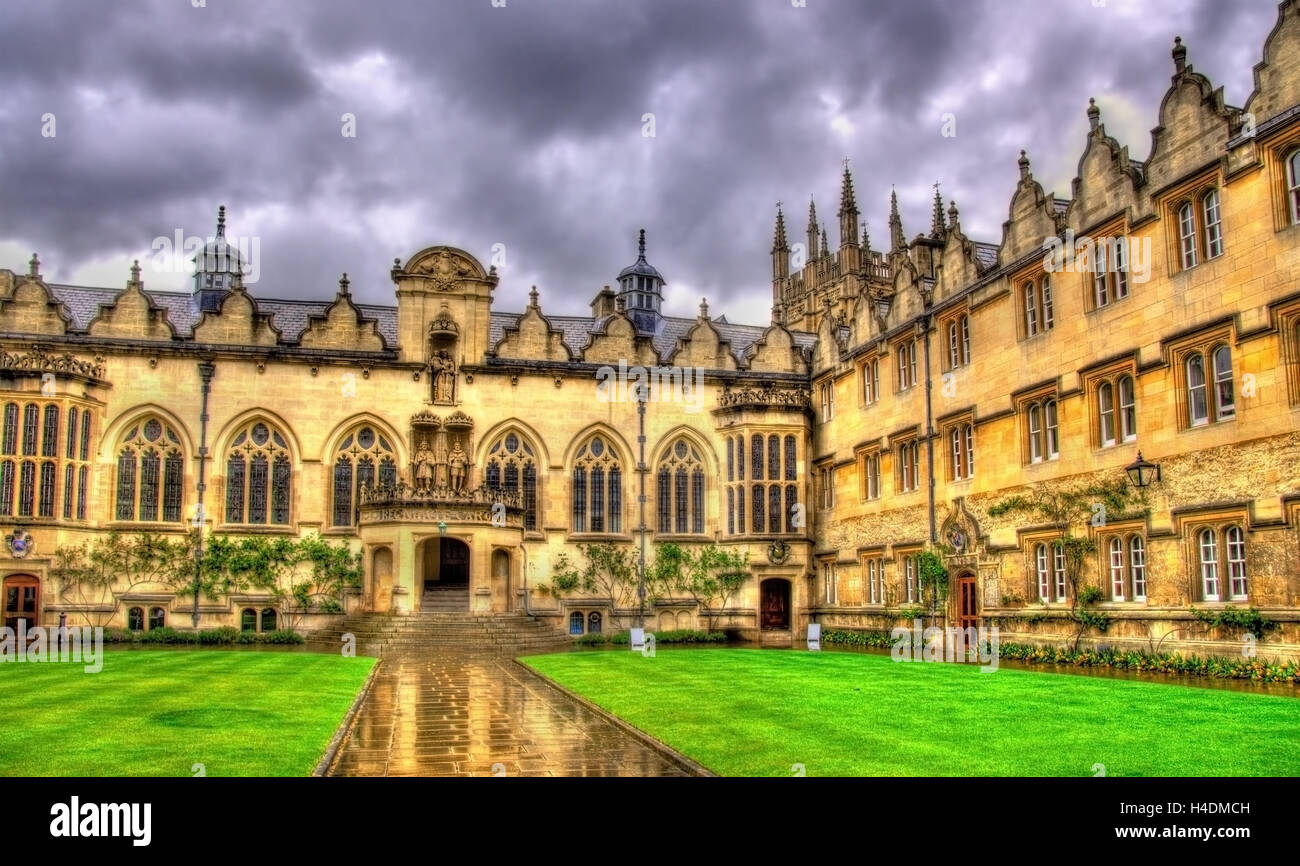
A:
521	124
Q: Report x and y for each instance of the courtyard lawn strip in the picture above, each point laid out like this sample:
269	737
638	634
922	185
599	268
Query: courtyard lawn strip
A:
156	713
746	712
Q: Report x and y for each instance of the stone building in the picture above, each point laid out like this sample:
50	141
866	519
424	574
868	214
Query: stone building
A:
894	400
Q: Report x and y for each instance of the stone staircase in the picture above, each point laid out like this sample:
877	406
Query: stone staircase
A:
442	625
446	599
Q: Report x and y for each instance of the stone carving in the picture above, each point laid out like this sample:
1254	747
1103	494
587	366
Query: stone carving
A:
424	460
458	463
766	395
444	377
443	270
38	359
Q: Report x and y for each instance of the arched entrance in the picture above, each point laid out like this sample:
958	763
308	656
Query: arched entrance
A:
22	600
444	568
775	604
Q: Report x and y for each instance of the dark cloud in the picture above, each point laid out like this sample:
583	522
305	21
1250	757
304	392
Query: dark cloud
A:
522	126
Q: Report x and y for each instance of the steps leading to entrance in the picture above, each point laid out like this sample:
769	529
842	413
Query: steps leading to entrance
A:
446	599
461	631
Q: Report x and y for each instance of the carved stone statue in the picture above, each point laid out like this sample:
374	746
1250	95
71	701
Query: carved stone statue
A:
456	459
444	377
423	466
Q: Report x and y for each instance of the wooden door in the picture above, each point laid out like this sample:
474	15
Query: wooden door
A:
776	605
968	605
21	600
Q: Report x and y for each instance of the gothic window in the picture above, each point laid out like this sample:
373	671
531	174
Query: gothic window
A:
512	465
1293	185
150	473
33	430
790	465
10	438
135	619
597	488
679	483
258	476
50	432
364	457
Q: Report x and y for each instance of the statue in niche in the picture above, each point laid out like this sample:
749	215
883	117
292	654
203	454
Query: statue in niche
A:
443	370
456	459
423	466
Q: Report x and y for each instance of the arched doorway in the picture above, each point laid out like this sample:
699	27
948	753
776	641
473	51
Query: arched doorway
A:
444	567
22	600
775	605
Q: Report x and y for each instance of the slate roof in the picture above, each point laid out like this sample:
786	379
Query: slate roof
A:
986	255
290	317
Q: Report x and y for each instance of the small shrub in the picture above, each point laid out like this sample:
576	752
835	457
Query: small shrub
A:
592	639
226	634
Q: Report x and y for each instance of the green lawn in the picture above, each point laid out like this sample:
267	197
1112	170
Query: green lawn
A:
157	713
759	713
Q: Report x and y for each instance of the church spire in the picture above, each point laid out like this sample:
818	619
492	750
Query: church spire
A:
780	252
812	228
848	209
826	250
896	240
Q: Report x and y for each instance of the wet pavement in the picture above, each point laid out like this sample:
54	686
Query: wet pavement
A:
463	715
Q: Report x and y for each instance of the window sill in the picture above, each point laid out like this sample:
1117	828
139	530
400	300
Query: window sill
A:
254	529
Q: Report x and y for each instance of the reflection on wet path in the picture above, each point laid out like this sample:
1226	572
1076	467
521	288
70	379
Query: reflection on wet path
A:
466	715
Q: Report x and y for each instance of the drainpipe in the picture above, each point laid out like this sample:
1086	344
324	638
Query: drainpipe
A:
929	427
523	549
929	460
207	370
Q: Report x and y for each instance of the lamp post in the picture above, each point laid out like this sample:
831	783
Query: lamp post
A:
642	395
1142	472
207	370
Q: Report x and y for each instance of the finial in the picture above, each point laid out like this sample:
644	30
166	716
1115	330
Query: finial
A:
343	285
1094	113
135	271
848	204
1024	165
641	246
812	212
866	238
34	267
826	248
704	308
1180	54
936	217
952	214
221	221
532	297
620	303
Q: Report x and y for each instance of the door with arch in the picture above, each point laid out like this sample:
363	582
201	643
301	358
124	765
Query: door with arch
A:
775	605
22	600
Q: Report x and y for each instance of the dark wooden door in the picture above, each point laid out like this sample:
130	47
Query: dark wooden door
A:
776	605
968	605
21	600
453	562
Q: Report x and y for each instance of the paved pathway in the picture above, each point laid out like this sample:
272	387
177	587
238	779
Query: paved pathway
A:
459	715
